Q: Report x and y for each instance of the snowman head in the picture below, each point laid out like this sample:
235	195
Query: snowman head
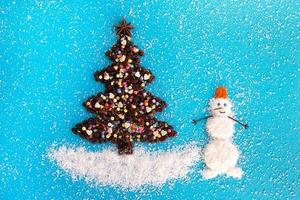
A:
220	105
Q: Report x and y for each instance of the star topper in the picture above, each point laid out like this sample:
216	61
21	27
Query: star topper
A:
123	28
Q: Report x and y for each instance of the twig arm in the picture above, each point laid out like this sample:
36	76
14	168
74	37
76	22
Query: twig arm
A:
244	125
195	121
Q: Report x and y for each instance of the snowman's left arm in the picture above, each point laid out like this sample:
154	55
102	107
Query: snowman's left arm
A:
244	125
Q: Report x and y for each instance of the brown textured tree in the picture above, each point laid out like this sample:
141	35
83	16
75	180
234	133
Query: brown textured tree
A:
125	111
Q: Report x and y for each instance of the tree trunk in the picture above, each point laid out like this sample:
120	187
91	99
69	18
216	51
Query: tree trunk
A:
125	147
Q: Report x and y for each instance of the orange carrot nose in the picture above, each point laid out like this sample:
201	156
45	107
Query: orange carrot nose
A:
221	92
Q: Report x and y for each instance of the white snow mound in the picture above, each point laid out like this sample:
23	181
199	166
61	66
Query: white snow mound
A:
127	171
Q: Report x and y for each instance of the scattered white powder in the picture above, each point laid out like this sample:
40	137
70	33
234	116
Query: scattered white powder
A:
127	171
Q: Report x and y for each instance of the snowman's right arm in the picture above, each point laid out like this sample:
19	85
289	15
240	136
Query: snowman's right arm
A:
195	121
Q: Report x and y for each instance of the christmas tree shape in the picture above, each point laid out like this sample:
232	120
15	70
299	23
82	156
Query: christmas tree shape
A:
125	112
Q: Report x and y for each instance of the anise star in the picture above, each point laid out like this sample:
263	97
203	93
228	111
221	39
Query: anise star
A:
124	28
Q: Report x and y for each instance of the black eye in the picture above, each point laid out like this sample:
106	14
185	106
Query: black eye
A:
225	104
218	104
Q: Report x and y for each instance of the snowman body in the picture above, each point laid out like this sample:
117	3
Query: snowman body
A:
220	127
220	154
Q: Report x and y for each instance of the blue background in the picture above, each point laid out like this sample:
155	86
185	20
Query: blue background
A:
49	51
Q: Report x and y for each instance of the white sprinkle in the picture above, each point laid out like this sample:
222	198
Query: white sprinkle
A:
97	105
135	50
146	77
137	74
106	76
89	132
111	95
163	132
126	124
148	109
123	42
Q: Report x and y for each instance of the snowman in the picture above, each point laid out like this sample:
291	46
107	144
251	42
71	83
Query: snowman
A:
220	154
